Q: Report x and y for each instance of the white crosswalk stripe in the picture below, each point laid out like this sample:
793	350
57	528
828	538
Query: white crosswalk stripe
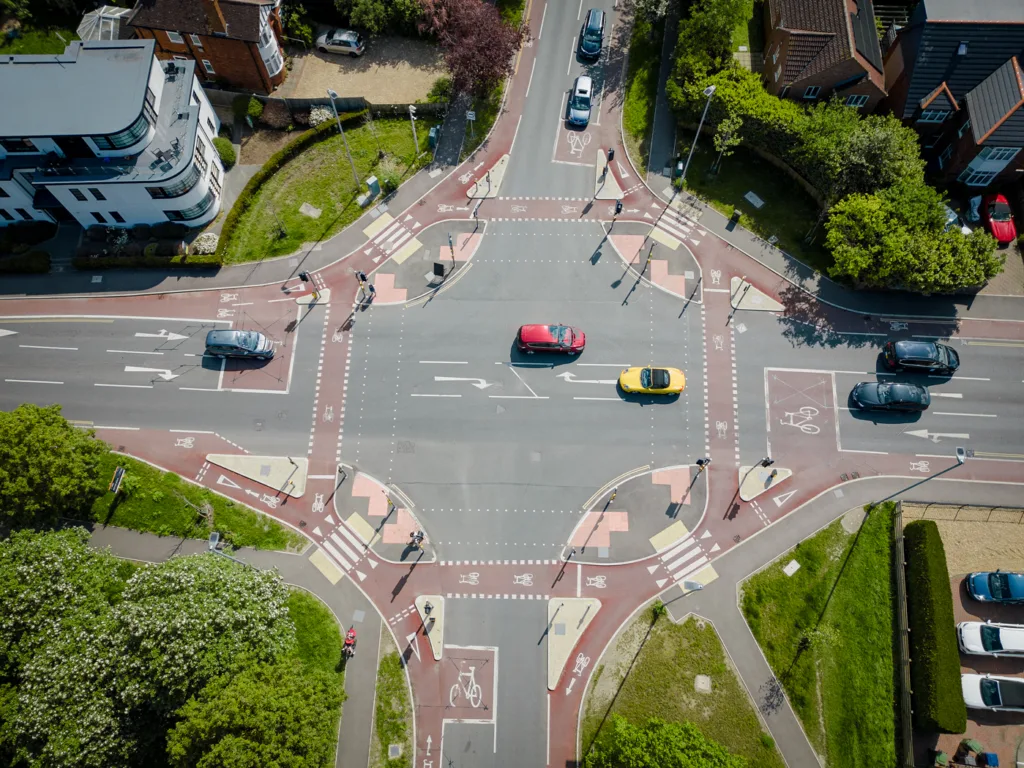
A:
393	235
346	550
676	224
678	558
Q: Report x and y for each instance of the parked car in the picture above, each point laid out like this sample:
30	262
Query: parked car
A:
239	344
998	219
992	692
996	586
890	396
983	638
550	338
341	41
953	221
652	381
913	355
577	111
592	34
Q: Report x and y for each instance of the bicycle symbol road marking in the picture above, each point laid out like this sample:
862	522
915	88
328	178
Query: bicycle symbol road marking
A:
596	581
716	276
185	442
469	578
802	420
336	336
526	580
582	662
329	413
518	209
471	690
465	177
318	503
894	326
722	427
919	466
222	313
441	208
226	297
719	340
577	142
270	501
570	209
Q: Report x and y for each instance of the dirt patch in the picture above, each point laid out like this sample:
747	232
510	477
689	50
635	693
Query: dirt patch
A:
394	70
975	538
259	146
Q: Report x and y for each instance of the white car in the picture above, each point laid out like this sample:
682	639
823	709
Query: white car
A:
988	639
994	693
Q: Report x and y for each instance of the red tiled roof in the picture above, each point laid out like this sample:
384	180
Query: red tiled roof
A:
189	17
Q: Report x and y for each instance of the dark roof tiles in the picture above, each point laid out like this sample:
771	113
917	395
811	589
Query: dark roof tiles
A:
189	17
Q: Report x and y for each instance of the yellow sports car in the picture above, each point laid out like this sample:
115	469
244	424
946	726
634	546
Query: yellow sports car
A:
652	381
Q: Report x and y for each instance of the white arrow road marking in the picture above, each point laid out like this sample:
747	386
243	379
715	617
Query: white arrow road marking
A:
572	377
225	480
957	395
715	548
411	640
652	568
162	335
163	373
660	583
706	534
252	493
572	682
935	436
782	498
4	332
361	575
430	741
478	383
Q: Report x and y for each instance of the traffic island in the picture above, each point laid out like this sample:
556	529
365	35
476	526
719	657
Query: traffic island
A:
488	184
743	295
653	257
323	296
757	480
431	611
283	474
606	186
568	619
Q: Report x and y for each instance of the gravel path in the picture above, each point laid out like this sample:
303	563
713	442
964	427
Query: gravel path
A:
976	538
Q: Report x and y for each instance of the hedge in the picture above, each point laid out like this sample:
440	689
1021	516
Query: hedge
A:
195	261
25	234
278	159
937	698
226	150
33	262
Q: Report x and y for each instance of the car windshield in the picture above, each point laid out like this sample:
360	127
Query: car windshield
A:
645	377
990	693
999	212
990	638
579	101
884	393
999	585
562	334
249	340
592	36
659	378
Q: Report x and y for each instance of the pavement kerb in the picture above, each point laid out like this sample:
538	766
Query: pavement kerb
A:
590	503
646	281
752	482
560	647
425	298
284	474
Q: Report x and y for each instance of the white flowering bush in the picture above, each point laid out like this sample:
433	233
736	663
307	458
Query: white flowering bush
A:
205	244
319	115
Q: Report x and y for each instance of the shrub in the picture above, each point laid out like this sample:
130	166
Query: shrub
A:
142	232
170	230
938	700
150	250
297	24
226	150
276	114
25	234
205	243
440	91
247	106
319	116
93	262
33	262
302	118
96	234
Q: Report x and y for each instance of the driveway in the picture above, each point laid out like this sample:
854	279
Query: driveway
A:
394	70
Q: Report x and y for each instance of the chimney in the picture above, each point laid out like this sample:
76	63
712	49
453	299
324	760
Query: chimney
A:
214	17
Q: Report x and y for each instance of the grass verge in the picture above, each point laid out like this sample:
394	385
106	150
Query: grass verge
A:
750	32
487	112
827	632
511	11
642	88
273	225
788	212
650	672
150	502
392	716
34	40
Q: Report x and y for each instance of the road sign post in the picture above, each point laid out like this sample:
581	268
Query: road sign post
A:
451	245
471	117
412	119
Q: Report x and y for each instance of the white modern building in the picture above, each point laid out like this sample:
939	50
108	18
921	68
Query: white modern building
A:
106	133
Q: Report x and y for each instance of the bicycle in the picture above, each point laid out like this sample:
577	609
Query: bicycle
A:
472	690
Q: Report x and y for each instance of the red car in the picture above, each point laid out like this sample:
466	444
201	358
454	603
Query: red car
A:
550	338
995	212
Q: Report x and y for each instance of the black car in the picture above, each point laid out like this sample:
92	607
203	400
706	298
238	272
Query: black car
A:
592	35
239	344
885	396
911	355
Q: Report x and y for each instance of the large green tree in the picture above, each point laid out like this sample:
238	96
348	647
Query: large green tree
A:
270	714
657	744
379	16
48	468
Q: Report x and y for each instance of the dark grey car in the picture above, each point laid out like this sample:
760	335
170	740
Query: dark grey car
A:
886	396
592	34
239	344
914	355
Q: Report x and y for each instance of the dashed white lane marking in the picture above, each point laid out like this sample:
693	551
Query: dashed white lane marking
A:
484	596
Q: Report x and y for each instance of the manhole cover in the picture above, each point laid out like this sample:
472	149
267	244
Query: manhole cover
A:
394	751
702	684
559	629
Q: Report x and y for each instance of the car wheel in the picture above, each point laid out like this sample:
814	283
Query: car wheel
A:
354	55
322	49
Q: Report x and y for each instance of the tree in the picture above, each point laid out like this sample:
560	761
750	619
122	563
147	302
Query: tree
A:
270	714
379	16
657	744
727	136
479	47
704	44
48	468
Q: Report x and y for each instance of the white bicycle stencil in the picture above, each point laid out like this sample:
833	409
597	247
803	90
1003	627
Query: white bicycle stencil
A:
597	581
469	578
471	690
582	662
185	442
802	420
897	326
722	427
716	276
919	466
577	142
526	580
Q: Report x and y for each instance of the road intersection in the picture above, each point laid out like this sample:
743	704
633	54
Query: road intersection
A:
554	506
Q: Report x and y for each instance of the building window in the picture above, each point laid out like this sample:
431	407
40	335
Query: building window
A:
275	64
977	178
195	211
196	41
175	38
933	115
125	138
998	154
5	215
200	154
99	217
961	50
778	73
963	129
208	66
857	100
23	213
945	156
209	124
117	217
96	193
182	58
18	145
186	184
78	194
811	91
195	97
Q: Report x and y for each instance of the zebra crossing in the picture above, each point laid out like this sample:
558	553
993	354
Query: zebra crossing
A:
679	226
682	559
346	548
392	237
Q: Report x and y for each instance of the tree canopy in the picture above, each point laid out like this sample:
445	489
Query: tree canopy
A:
48	468
658	744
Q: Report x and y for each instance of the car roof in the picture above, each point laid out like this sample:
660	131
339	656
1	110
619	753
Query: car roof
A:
904	392
224	336
1011	691
1016	584
535	333
594	18
344	34
1011	636
913	348
584	83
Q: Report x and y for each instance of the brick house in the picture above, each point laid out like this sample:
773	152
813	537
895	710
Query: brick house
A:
954	75
235	43
817	49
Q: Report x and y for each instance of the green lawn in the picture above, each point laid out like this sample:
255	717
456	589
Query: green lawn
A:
152	504
32	40
642	88
392	716
661	684
788	211
827	632
322	177
751	32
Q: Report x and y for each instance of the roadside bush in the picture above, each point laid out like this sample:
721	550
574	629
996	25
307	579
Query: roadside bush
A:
33	262
276	115
247	106
142	232
440	91
93	262
96	234
25	234
169	230
226	150
297	24
319	115
279	158
938	700
205	244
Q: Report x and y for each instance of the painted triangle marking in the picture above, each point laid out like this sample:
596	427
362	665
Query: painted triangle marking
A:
415	225
706	534
4	332
653	568
411	640
361	575
647	215
317	531
715	548
655	205
701	232
225	480
782	498
661	583
408	217
695	242
368	251
329	519
373	563
376	259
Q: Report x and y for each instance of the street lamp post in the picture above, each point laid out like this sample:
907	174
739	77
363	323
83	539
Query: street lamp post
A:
332	95
709	92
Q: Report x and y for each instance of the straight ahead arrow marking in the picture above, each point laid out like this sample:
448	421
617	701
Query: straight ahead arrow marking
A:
161	372
6	333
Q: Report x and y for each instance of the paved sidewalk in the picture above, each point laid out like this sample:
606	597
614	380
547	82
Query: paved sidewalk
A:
663	130
452	133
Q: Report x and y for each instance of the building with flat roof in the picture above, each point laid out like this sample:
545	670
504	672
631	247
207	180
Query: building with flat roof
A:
106	133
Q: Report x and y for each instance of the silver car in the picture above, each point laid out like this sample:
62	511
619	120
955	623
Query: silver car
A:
578	109
341	41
